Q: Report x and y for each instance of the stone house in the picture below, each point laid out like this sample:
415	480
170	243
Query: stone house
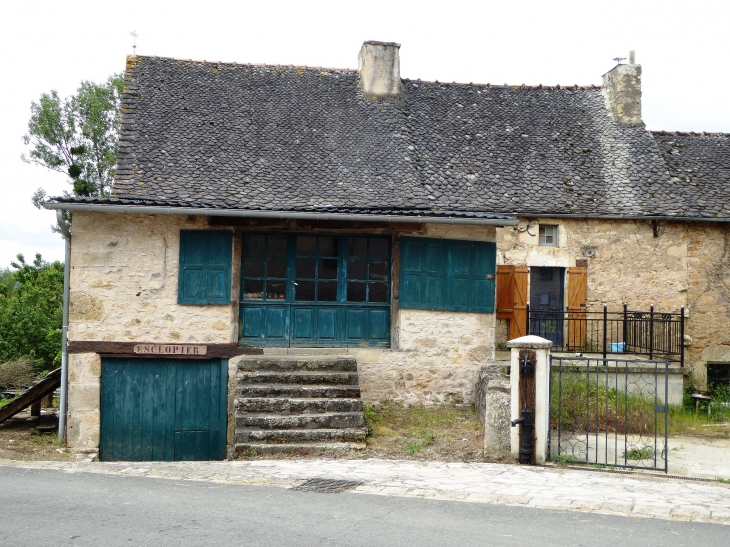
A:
280	234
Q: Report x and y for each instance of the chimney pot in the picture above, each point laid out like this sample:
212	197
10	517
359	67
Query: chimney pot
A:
379	66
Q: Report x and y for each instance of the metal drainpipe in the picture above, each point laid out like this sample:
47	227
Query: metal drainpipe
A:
63	403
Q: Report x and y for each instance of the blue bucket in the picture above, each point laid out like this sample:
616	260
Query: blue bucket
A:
618	347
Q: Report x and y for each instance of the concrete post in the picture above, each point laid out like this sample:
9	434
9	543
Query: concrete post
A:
541	347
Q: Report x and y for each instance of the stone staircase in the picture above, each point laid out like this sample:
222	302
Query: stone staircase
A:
298	404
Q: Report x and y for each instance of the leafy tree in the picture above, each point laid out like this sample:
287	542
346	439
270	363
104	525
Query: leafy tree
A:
78	136
31	313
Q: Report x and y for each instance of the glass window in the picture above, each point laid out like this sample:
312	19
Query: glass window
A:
548	235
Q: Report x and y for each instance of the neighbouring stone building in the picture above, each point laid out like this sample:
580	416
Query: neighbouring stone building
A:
315	238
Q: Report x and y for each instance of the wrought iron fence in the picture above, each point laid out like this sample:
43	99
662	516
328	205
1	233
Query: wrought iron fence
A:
609	412
651	333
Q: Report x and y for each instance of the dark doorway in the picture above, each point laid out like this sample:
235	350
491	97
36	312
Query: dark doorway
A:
546	303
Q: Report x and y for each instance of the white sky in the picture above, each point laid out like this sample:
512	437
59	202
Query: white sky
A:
682	45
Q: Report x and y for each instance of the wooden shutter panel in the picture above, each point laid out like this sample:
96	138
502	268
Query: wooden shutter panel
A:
442	274
205	267
423	273
518	322
577	297
505	291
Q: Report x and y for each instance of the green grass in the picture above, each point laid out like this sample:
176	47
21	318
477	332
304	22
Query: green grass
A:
639	453
584	405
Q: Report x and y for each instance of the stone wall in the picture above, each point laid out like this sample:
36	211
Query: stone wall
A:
708	301
124	271
686	264
437	361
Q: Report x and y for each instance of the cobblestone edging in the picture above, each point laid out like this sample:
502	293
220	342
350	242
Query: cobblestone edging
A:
471	482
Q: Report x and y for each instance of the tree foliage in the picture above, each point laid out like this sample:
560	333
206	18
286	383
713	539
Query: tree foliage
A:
31	313
77	136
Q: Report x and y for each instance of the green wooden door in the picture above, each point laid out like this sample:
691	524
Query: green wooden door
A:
163	409
316	291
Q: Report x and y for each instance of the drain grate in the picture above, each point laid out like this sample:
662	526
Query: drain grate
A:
326	486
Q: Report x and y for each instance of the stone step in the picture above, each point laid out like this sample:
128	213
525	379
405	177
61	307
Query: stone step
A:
297	392
330	420
278	436
331	363
285	405
260	449
298	378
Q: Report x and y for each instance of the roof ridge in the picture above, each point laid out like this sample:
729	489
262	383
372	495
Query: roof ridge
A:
268	65
691	133
488	85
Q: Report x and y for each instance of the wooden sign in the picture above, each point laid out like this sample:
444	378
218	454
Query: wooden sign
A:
170	349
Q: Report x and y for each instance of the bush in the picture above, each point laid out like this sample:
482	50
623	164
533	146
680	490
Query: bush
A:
16	374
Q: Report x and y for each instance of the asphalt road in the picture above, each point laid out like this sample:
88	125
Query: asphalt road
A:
44	507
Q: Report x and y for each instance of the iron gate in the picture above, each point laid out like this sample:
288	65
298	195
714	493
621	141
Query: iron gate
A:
609	412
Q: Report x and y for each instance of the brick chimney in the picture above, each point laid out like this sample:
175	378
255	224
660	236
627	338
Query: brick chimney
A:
622	92
379	65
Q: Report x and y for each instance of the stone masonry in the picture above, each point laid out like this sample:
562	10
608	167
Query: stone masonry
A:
124	288
687	265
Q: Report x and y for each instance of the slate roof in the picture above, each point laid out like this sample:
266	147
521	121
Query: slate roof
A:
299	138
700	164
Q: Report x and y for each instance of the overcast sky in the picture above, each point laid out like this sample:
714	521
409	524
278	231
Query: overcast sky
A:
682	46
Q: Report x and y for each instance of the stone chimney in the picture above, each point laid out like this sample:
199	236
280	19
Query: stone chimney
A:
622	91
379	66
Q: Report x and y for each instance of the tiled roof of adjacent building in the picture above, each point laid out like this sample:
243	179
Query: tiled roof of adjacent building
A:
699	163
299	138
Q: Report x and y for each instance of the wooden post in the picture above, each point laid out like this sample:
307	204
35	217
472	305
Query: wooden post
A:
35	408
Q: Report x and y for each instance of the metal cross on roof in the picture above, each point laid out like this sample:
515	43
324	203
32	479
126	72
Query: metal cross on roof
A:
134	35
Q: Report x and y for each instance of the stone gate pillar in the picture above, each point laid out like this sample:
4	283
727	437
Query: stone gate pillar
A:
541	348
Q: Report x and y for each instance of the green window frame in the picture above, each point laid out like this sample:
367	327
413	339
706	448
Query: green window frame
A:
448	275
205	267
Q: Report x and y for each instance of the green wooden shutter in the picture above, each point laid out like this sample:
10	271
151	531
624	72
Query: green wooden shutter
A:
205	267
442	274
423	273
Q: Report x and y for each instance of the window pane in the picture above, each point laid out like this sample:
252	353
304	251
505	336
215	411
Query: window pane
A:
355	292
306	246
253	289
379	248
254	245
276	267
327	246
327	291
253	267
304	291
378	292
277	245
275	290
379	269
328	269
357	269
305	268
358	247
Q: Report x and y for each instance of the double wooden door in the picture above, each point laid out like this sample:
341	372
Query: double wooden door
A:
315	290
163	409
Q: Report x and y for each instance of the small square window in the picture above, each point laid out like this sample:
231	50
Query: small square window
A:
548	235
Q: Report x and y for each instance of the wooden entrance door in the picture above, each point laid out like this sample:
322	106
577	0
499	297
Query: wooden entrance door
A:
163	409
